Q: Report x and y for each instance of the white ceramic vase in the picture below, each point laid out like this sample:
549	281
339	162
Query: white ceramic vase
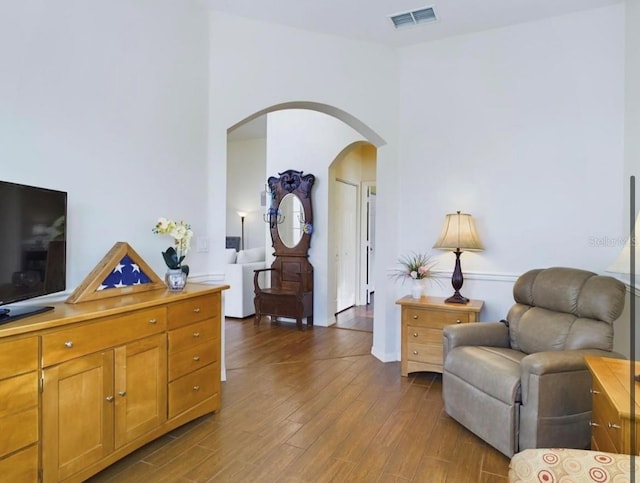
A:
416	288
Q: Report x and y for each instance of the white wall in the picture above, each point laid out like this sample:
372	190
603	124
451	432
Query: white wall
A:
255	65
522	127
108	101
246	178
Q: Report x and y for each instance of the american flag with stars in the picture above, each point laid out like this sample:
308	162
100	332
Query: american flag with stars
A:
125	274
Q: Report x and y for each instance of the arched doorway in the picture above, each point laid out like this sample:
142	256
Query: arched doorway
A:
301	126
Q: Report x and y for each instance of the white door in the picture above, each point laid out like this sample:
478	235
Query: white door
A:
346	250
371	253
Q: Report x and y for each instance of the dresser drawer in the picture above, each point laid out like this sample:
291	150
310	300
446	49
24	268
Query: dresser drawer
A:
20	467
18	393
79	340
18	430
423	335
607	419
185	337
194	310
193	388
431	354
18	356
434	318
192	358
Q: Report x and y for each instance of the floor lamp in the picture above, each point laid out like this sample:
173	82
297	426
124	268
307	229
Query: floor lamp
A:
242	216
458	234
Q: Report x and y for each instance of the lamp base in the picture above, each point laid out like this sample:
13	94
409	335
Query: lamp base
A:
456	298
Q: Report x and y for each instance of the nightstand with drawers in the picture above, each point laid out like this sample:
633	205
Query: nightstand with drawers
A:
612	420
422	322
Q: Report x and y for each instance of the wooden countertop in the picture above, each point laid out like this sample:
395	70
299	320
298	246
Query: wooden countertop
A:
64	313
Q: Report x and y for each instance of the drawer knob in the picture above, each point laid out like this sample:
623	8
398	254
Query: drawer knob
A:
594	425
613	426
458	321
196	388
197	310
415	353
122	393
415	317
593	391
68	344
109	398
415	334
153	321
196	358
196	334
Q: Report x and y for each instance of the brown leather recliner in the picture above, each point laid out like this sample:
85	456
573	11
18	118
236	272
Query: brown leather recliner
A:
522	383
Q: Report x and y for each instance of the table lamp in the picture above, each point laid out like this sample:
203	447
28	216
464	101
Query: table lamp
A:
458	234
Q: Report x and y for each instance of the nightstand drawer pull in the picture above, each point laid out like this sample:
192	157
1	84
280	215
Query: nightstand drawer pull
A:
593	391
196	388
197	310
196	334
415	334
68	344
196	358
415	317
458	321
415	353
594	425
109	398
153	321
613	426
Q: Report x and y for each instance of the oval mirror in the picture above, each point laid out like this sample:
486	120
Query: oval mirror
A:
290	230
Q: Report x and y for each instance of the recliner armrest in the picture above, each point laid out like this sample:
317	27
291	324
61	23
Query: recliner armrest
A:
494	334
541	364
550	362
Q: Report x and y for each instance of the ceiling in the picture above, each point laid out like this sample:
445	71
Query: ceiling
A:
368	20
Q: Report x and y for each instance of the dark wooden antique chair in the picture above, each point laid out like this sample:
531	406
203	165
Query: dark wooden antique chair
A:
290	218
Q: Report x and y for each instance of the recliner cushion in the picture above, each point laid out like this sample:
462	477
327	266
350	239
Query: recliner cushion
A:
493	370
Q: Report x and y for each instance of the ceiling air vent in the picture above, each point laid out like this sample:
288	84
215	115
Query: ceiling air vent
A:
413	17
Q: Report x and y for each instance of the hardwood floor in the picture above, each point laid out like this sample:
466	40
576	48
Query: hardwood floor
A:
315	406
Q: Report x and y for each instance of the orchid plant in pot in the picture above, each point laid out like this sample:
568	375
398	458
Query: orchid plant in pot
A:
174	256
416	267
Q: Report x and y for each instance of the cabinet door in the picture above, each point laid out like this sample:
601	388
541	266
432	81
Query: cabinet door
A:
140	387
77	420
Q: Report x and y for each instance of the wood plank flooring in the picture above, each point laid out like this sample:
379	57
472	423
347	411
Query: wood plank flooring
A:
315	406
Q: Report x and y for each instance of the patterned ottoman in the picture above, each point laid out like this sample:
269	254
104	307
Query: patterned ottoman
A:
571	466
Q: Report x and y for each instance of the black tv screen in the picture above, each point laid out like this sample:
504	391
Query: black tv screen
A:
33	226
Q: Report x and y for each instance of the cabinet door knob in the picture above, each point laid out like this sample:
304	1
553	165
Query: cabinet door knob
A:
109	398
458	321
196	388
415	334
153	321
415	353
613	426
415	317
122	393
68	344
593	391
196	334
197	310
594	425
196	358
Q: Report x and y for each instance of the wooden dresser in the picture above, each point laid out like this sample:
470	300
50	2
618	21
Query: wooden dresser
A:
86	384
611	418
422	322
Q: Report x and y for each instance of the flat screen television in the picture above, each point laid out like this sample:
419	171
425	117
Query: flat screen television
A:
33	247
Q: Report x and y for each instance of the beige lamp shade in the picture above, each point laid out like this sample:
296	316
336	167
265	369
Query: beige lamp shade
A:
622	264
458	232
